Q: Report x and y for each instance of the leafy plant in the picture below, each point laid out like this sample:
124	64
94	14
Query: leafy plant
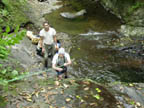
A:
97	96
98	90
136	6
7	40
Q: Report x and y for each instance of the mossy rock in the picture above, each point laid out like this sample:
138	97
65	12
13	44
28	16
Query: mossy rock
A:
16	10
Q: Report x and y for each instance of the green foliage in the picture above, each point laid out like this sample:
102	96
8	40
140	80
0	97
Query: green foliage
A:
13	13
98	90
4	12
97	96
2	102
7	40
132	102
134	7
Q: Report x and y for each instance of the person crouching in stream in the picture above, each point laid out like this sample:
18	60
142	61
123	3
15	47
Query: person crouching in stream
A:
60	62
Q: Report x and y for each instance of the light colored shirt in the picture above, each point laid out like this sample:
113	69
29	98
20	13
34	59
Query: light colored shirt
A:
55	58
48	35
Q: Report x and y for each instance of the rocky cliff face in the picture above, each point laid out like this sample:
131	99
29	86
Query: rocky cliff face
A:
130	12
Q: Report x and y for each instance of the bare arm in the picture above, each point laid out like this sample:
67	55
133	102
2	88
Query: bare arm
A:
41	42
68	63
55	40
56	68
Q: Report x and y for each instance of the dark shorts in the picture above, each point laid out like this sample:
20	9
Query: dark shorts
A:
63	71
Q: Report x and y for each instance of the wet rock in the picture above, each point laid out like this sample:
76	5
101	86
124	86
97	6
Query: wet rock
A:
128	30
38	9
136	95
73	15
133	18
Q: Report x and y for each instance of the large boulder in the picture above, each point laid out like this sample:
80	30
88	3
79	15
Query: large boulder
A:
128	30
73	15
130	12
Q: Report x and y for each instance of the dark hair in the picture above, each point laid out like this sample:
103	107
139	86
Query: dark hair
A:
46	22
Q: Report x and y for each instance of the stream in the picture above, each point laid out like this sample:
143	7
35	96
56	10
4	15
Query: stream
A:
94	57
93	49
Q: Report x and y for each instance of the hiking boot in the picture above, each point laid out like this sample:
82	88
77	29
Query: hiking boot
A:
66	77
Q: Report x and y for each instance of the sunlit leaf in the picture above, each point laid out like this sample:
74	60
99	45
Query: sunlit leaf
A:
65	85
7	29
1	65
0	29
15	72
77	96
97	96
37	93
4	71
131	85
68	99
43	90
57	83
16	29
87	88
28	99
49	88
98	90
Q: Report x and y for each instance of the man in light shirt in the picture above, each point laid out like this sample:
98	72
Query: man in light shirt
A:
48	38
60	62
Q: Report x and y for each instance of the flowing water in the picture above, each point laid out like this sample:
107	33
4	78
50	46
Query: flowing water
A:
94	58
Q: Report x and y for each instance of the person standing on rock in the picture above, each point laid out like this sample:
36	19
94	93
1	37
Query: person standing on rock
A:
60	62
47	40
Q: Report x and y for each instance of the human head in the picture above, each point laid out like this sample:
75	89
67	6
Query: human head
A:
46	26
61	52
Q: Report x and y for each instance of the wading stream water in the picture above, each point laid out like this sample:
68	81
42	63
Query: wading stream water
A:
100	76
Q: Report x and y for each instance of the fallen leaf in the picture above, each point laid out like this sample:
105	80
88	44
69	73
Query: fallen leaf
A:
121	88
87	88
65	85
138	104
28	99
17	105
72	81
68	99
43	90
50	106
77	96
49	88
91	104
97	96
57	83
86	82
75	63
139	88
36	93
62	92
82	100
131	85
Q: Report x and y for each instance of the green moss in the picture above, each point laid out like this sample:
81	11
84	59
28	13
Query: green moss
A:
2	102
16	11
135	7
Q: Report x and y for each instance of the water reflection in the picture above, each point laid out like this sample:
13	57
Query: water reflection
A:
97	60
